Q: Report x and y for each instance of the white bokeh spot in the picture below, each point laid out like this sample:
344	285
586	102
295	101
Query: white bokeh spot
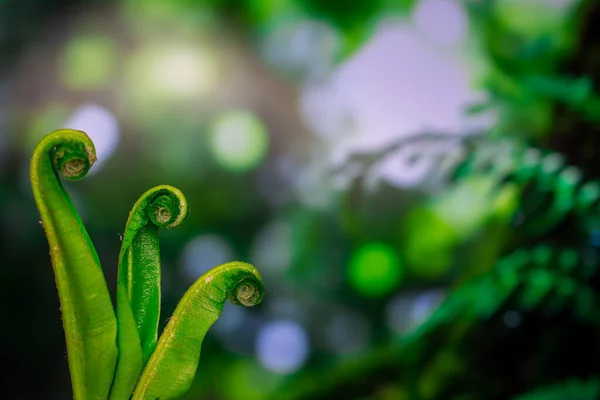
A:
101	126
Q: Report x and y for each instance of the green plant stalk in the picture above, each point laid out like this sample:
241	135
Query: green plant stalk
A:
171	368
130	361
139	259
138	282
88	317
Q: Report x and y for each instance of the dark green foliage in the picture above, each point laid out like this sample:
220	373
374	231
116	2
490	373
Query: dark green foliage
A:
552	270
343	13
552	193
546	274
541	279
572	390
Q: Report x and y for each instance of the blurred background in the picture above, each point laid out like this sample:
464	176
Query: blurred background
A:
415	180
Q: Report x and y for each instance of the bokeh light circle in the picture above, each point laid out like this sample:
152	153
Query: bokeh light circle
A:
273	248
101	125
347	332
282	347
406	312
238	141
203	253
375	269
169	73
512	319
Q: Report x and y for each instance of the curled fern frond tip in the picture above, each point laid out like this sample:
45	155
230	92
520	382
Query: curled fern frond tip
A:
72	151
249	292
171	368
88	317
169	208
139	277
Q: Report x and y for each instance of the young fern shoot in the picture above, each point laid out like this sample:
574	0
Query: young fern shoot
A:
138	282
172	366
119	357
88	317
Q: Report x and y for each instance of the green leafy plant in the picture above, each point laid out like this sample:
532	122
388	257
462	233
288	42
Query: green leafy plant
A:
543	271
119	355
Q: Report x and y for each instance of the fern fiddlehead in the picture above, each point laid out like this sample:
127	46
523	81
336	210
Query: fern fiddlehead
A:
138	282
171	368
139	260
88	318
107	354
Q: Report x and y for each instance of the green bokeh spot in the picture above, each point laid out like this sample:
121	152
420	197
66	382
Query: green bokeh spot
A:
505	202
466	205
88	62
239	141
429	243
517	16
375	269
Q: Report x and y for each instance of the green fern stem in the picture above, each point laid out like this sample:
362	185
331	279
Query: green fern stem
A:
171	368
138	284
88	318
